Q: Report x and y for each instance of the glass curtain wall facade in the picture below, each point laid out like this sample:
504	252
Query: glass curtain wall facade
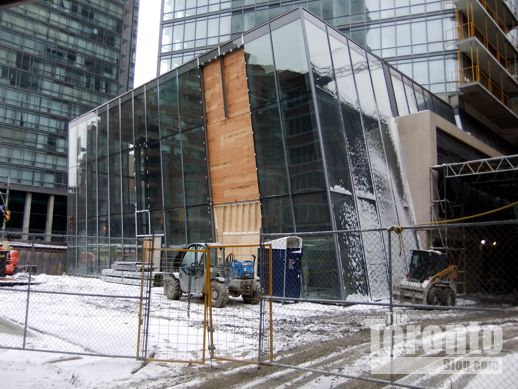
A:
327	154
417	36
425	39
58	59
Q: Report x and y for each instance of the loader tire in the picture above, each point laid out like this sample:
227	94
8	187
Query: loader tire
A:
219	294
434	296
172	288
252	298
448	297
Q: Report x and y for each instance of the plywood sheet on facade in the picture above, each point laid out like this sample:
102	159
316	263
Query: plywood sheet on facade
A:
229	131
238	223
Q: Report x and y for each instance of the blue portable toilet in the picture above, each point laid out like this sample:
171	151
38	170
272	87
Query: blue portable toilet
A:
286	267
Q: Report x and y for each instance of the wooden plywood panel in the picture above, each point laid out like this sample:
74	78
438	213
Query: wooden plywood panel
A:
232	164
238	223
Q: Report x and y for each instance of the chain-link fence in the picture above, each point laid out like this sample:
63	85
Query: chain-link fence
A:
184	322
428	306
51	303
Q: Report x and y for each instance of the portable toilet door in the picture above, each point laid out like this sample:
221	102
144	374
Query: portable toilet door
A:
287	267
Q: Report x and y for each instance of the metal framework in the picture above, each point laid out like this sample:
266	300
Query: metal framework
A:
483	170
499	175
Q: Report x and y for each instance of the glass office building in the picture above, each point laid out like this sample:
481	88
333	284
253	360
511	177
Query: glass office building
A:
58	59
292	120
465	50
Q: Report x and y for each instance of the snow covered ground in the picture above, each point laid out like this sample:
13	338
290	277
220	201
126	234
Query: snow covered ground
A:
74	315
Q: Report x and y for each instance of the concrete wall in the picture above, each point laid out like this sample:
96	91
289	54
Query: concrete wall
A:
418	137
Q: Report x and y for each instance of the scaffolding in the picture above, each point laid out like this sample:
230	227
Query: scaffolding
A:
485	54
500	174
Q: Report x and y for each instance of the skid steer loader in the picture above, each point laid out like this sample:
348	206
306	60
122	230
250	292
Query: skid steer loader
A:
228	276
431	280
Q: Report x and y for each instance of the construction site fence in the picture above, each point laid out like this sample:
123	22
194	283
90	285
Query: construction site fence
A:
326	305
346	312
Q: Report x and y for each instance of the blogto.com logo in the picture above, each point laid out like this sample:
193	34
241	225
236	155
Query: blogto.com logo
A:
434	349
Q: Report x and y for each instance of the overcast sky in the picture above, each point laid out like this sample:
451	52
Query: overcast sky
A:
147	41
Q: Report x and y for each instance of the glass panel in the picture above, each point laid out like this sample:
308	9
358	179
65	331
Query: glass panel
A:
154	176
320	58
260	72
290	60
139	117
128	181
319	270
126	124
344	77
115	225
172	171
374	250
269	149
175	226
399	93
152	113
114	130
351	248
303	146
129	225
380	89
363	80
410	95
359	158
421	104
199	224
335	149
311	212
276	213
115	183
195	167
102	133
191	114
169	122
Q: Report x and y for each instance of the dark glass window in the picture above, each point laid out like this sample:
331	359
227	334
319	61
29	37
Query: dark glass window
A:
303	146
114	130
191	114
38	213
276	214
104	182
311	212
154	169
128	180
139	117
171	149
102	133
260	71
195	167
129	224
175	226
152	113
169	107
269	149
320	268
199	228
126	124
115	183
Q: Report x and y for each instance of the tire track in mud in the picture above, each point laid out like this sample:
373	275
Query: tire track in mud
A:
342	355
